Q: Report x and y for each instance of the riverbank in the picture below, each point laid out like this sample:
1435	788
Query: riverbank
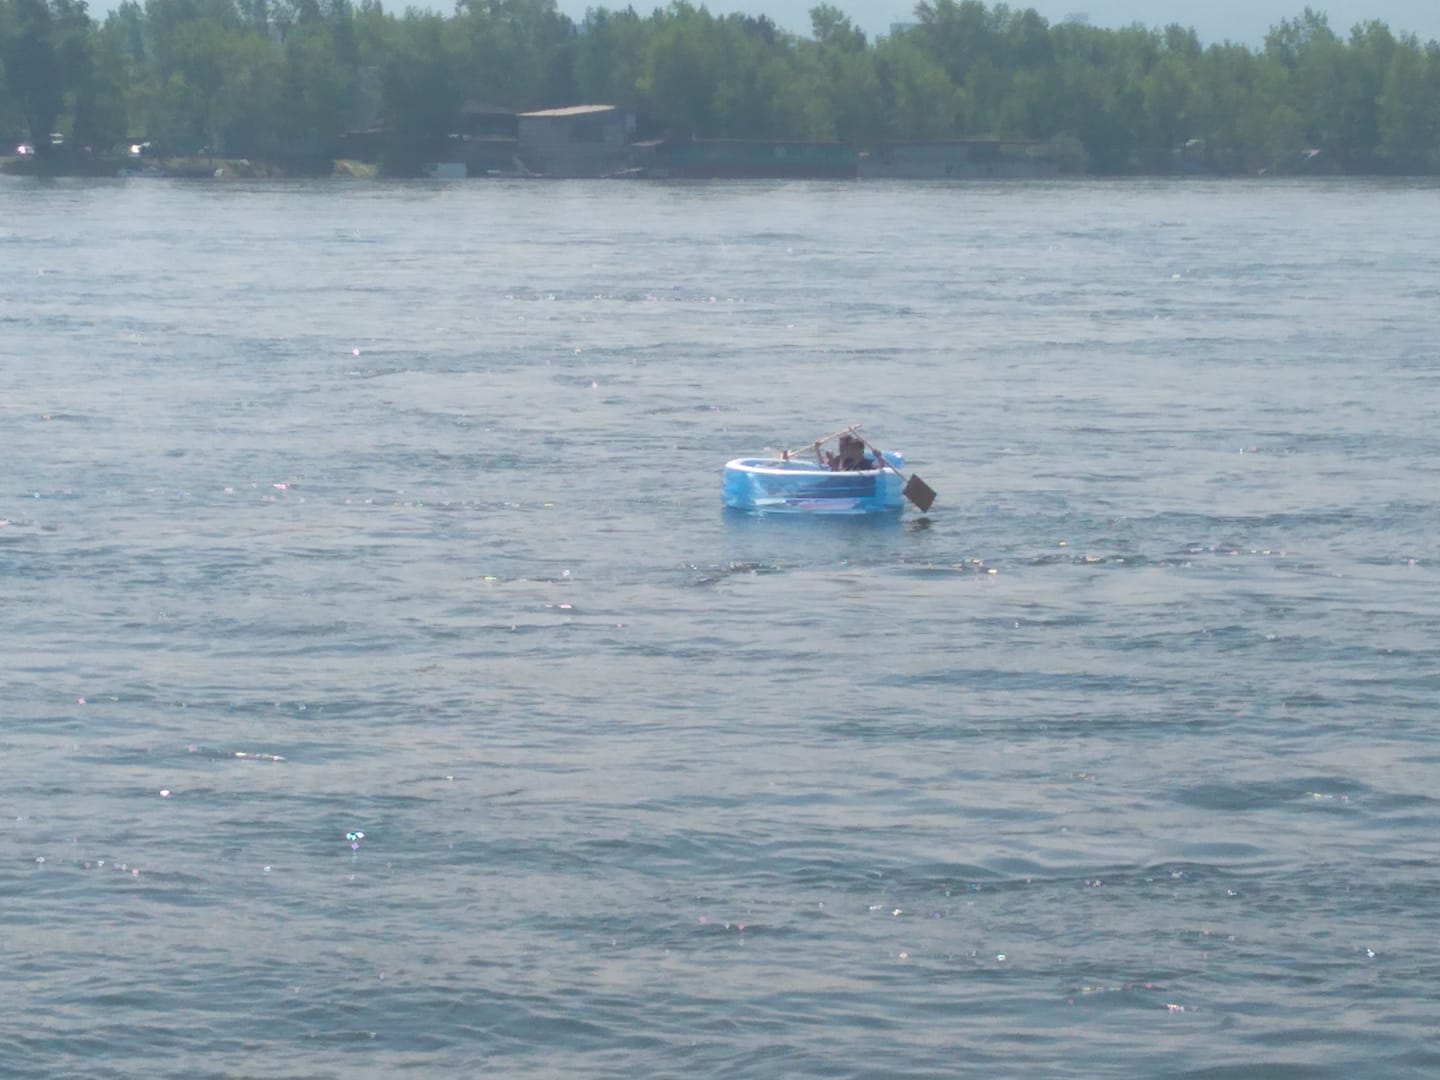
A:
177	168
350	169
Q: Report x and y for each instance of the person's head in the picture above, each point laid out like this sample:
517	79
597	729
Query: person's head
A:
851	449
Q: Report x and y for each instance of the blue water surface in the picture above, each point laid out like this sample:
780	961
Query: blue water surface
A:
385	688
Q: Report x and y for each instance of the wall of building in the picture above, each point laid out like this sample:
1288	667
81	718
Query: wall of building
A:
584	141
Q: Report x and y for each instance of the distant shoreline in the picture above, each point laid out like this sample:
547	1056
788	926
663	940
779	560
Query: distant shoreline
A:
176	168
226	169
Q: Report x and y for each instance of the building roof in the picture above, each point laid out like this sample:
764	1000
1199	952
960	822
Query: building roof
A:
572	110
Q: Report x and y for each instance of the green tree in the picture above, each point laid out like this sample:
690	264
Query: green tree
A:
956	36
515	52
1101	76
848	77
276	76
314	82
121	52
832	30
91	122
1409	108
682	71
10	120
1167	90
1364	65
610	58
920	100
207	57
32	70
423	87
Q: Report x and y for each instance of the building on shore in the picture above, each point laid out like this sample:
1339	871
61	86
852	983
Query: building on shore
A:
577	141
484	144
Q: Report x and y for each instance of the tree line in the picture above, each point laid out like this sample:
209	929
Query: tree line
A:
283	77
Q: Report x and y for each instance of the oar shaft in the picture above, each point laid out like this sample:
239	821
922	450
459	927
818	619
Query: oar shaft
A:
821	442
922	497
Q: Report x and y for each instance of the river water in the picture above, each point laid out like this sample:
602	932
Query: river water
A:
385	688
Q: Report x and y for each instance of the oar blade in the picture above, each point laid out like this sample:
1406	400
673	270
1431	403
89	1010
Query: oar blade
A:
919	493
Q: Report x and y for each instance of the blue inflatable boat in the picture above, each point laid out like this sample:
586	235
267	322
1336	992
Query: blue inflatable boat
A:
782	485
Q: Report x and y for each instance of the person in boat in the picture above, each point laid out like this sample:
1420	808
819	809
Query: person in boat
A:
851	456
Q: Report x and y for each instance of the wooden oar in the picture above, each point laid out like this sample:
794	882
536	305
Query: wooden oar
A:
815	446
916	490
